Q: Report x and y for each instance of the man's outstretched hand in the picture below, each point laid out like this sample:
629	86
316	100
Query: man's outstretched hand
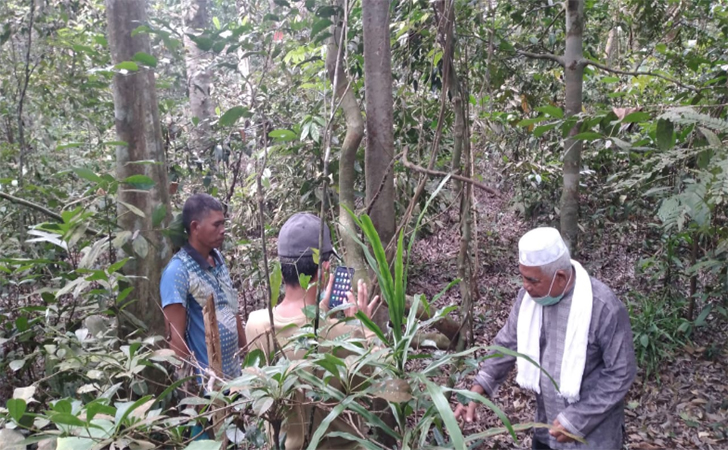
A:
557	432
467	412
362	301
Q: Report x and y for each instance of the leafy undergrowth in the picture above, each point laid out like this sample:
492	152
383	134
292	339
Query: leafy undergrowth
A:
687	408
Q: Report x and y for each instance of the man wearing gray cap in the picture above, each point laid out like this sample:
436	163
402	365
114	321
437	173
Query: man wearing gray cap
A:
579	332
297	244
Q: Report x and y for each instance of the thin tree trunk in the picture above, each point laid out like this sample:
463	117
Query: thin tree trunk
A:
354	255
380	116
137	124
198	78
573	75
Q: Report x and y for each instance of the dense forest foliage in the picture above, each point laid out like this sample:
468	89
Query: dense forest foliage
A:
428	134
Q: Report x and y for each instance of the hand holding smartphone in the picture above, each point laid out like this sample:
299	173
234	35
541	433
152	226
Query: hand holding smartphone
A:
342	284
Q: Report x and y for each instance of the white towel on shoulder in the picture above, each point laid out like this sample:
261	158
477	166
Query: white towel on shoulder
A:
530	318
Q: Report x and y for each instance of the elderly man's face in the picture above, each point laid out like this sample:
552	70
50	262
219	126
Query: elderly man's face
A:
537	284
210	231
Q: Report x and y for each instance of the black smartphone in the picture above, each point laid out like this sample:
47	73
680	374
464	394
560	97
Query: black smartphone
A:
342	284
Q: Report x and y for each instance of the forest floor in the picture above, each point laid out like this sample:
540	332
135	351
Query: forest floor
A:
686	409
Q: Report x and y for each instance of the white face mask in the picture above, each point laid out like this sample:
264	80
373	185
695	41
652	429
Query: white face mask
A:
548	299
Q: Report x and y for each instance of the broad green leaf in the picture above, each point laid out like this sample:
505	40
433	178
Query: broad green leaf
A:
636	116
87	175
125	408
67	418
17	364
446	413
276	277
324	426
587	136
142	182
74	443
159	214
145	58
665	134
283	135
16	408
216	22
131	66
553	111
133	209
204	43
140	246
204	444
531	121
712	138
232	115
541	130
369	323
319	26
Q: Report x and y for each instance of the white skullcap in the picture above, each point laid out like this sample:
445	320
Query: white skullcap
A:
540	246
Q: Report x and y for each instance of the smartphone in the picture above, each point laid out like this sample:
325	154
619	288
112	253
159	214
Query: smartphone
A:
342	284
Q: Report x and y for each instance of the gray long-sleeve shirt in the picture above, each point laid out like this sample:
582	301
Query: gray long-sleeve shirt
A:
609	371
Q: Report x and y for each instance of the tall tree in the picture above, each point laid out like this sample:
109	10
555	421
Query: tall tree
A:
198	77
380	116
354	255
574	79
137	124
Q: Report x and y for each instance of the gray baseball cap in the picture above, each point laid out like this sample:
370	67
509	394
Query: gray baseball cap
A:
300	235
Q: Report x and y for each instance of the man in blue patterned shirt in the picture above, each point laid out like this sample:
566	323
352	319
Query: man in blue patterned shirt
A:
192	275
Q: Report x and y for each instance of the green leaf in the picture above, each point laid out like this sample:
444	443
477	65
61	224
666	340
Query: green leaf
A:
276	277
324	426
700	321
319	26
665	134
446	413
124	409
142	182
527	122
127	65
644	340
216	22
66	418
87	174
232	115
541	130
661	48
140	246
16	408
133	209
636	116
74	443
552	111
283	135
69	145
204	444
369	323
587	136
145	58
159	214
204	43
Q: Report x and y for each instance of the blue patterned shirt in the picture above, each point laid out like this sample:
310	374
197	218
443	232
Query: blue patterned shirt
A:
189	279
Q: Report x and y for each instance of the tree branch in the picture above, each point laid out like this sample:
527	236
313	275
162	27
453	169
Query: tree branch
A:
428	171
44	210
588	62
545	56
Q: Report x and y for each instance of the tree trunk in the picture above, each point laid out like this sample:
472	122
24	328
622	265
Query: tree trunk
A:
573	76
198	78
380	116
354	255
137	124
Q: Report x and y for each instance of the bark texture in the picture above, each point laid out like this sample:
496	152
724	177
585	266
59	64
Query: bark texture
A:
379	122
198	78
573	76
137	124
354	255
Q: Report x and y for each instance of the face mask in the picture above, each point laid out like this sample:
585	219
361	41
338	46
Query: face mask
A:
548	300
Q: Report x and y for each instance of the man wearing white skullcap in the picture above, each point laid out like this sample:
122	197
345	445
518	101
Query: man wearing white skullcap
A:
579	332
